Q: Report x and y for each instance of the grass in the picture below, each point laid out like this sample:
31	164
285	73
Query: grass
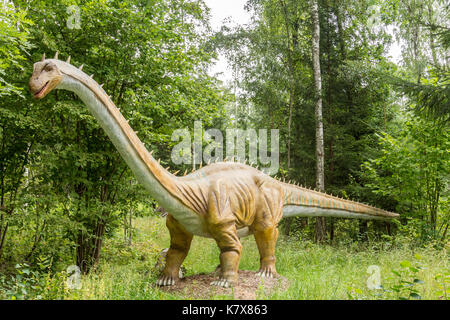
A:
316	272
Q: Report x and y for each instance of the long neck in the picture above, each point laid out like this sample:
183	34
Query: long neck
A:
160	183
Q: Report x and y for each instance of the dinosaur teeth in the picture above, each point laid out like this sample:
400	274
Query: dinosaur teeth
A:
185	172
175	173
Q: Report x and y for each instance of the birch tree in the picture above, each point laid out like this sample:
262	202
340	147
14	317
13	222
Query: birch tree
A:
320	180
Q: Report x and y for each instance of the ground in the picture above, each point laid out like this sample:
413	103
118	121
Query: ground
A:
249	287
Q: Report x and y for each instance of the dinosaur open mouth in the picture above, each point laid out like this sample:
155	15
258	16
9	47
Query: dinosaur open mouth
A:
41	91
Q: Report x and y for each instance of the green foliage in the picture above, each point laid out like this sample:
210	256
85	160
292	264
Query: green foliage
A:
443	281
413	171
431	96
406	281
14	44
403	283
30	283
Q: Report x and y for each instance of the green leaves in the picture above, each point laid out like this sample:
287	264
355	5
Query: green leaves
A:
406	281
14	39
405	264
412	170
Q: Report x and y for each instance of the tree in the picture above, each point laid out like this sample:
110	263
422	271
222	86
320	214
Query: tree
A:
320	173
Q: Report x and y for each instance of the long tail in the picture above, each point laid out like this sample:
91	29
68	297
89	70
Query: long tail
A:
303	202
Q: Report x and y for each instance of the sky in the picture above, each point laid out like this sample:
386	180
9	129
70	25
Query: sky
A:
234	10
221	10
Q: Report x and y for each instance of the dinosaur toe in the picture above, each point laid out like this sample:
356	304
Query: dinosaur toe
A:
224	283
165	281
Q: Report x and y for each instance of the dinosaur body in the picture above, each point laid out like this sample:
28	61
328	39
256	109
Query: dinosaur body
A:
223	201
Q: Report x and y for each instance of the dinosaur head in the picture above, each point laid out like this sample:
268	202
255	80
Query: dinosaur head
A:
46	76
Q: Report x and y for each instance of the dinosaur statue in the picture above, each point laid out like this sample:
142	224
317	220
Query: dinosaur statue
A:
223	201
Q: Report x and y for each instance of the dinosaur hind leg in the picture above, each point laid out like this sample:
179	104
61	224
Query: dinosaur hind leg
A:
180	242
266	240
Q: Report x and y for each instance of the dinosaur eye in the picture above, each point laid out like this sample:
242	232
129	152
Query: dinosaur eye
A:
48	67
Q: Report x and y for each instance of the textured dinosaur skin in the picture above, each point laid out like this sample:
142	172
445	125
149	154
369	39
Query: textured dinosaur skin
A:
223	201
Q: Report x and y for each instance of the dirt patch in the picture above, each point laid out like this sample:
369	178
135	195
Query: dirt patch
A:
249	287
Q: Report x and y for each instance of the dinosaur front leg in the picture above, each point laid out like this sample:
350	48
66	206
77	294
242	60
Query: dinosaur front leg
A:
220	221
230	255
180	242
266	240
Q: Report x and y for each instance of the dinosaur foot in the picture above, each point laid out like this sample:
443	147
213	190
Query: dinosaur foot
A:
224	283
267	273
165	281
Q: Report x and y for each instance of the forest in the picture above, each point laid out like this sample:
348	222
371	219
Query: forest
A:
353	121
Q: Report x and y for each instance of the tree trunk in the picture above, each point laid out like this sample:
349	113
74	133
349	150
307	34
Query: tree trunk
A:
130	234
320	231
290	64
362	234
88	249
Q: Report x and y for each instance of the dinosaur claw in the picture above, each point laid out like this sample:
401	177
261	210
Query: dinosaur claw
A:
165	281
221	283
266	273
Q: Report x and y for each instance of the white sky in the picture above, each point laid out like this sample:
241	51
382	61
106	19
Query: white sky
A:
221	10
234	10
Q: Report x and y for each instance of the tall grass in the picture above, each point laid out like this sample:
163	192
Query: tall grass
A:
314	271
